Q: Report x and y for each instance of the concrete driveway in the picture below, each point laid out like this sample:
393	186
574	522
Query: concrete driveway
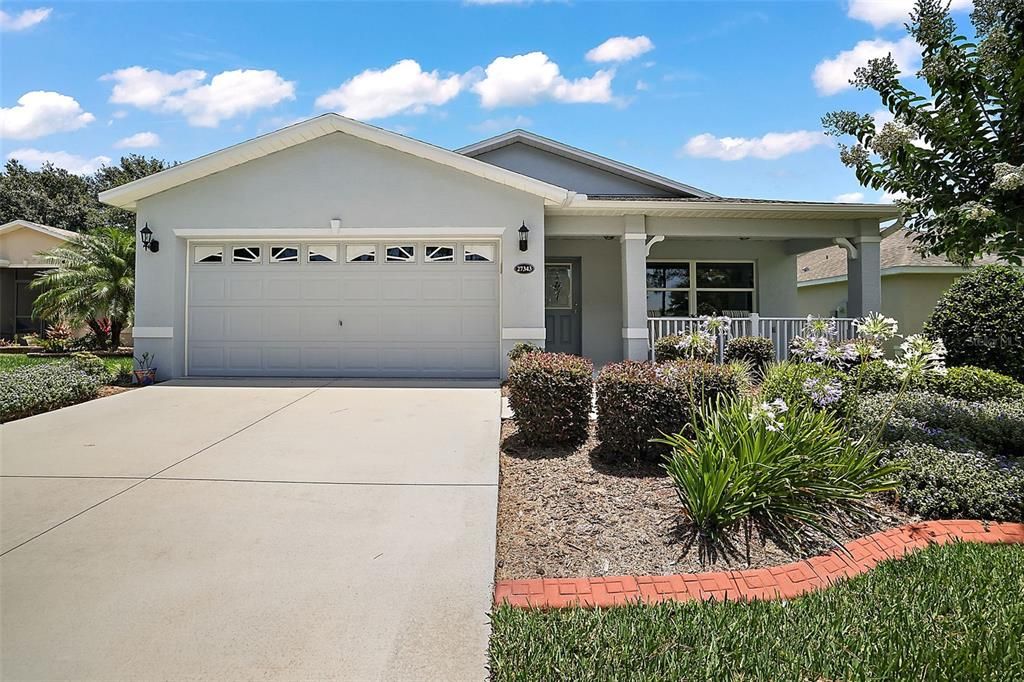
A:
233	530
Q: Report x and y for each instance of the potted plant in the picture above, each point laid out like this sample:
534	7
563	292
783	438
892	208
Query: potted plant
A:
145	375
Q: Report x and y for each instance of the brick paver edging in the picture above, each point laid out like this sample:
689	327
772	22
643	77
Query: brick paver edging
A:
783	582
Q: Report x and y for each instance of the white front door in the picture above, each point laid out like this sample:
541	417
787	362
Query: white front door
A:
398	308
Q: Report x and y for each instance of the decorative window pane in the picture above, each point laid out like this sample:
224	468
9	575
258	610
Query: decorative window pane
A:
725	275
558	286
731	303
209	254
438	254
284	254
668	275
246	254
479	253
668	303
360	253
322	253
400	254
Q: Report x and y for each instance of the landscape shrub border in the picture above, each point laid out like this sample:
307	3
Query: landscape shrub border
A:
35	389
551	395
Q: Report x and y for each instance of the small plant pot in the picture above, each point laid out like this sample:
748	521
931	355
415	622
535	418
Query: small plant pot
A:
145	377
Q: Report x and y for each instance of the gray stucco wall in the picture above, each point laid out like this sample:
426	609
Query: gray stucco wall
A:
566	173
337	176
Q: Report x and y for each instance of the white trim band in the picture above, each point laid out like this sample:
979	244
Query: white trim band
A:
152	332
532	333
634	333
635	235
344	232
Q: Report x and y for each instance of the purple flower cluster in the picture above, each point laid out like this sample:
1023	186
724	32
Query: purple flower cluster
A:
823	393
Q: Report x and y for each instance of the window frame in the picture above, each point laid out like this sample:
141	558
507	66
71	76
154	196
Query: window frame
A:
257	247
467	246
376	252
315	245
411	244
298	253
223	250
440	245
693	290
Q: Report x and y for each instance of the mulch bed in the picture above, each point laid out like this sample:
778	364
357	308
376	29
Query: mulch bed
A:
106	391
575	513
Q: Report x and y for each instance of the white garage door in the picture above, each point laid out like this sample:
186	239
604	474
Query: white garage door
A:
359	309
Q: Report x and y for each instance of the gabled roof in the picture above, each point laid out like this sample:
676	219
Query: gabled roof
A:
128	194
45	229
580	156
897	254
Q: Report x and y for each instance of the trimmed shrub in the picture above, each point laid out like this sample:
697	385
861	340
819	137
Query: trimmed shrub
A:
638	401
521	349
808	384
40	388
975	383
551	395
91	365
689	347
757	350
877	376
978	318
945	484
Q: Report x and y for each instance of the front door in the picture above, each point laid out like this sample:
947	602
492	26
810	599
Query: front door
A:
562	306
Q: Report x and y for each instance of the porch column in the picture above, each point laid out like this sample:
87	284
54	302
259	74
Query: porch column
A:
634	289
864	279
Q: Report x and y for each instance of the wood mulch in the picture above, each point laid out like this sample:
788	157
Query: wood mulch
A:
577	513
106	391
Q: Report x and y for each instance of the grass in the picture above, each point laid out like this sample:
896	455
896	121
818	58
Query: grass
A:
12	361
947	612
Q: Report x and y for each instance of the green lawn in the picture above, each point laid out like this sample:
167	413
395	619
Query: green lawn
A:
954	612
10	361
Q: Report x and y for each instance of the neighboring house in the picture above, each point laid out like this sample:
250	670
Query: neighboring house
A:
911	283
21	242
335	248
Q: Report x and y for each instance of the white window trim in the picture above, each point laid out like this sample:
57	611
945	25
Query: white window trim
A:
693	288
337	253
444	245
412	245
259	247
223	251
298	254
467	245
376	253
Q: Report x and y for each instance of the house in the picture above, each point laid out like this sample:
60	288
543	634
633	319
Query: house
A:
911	283
21	242
335	248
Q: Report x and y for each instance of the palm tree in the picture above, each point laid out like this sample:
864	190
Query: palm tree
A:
94	282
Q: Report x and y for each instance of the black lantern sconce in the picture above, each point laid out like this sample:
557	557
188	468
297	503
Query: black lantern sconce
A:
524	237
148	243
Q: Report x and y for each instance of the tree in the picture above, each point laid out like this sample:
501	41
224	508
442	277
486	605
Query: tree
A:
957	155
93	283
131	167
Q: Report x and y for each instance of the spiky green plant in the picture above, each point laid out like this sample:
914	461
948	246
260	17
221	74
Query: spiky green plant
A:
94	282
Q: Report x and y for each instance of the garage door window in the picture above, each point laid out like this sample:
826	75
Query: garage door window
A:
479	253
284	254
209	254
322	253
405	253
360	253
438	254
246	254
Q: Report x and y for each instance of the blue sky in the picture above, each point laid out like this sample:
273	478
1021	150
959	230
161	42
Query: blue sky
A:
726	96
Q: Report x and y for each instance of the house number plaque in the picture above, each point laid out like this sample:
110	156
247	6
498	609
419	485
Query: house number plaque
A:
524	268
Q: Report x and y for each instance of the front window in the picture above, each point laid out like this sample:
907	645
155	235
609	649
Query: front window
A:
691	288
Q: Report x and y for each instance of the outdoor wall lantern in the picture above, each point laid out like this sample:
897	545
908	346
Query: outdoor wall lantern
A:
524	237
148	243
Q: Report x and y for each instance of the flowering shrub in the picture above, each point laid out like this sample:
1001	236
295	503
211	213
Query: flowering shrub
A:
39	388
809	385
757	350
638	401
700	343
780	469
879	376
551	395
975	383
820	342
58	338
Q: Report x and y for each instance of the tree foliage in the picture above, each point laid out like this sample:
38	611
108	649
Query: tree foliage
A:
53	196
956	154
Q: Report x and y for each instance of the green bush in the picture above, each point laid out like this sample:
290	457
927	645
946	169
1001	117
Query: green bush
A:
877	376
808	384
551	395
975	383
91	365
978	318
684	347
521	349
638	401
936	483
785	471
39	388
757	350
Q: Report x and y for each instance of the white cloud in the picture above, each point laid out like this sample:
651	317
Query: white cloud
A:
833	75
529	78
139	141
881	13
849	198
892	197
642	85
40	113
620	49
403	87
228	94
24	19
768	146
502	123
79	165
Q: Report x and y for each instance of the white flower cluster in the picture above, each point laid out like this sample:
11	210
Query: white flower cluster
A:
819	341
1008	177
700	341
769	414
877	327
921	356
973	210
893	135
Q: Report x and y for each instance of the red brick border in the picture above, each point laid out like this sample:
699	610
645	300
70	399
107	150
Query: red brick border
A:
784	582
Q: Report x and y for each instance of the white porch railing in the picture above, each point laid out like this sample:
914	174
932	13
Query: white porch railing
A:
780	330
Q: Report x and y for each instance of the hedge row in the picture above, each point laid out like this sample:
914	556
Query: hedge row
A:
551	395
40	388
